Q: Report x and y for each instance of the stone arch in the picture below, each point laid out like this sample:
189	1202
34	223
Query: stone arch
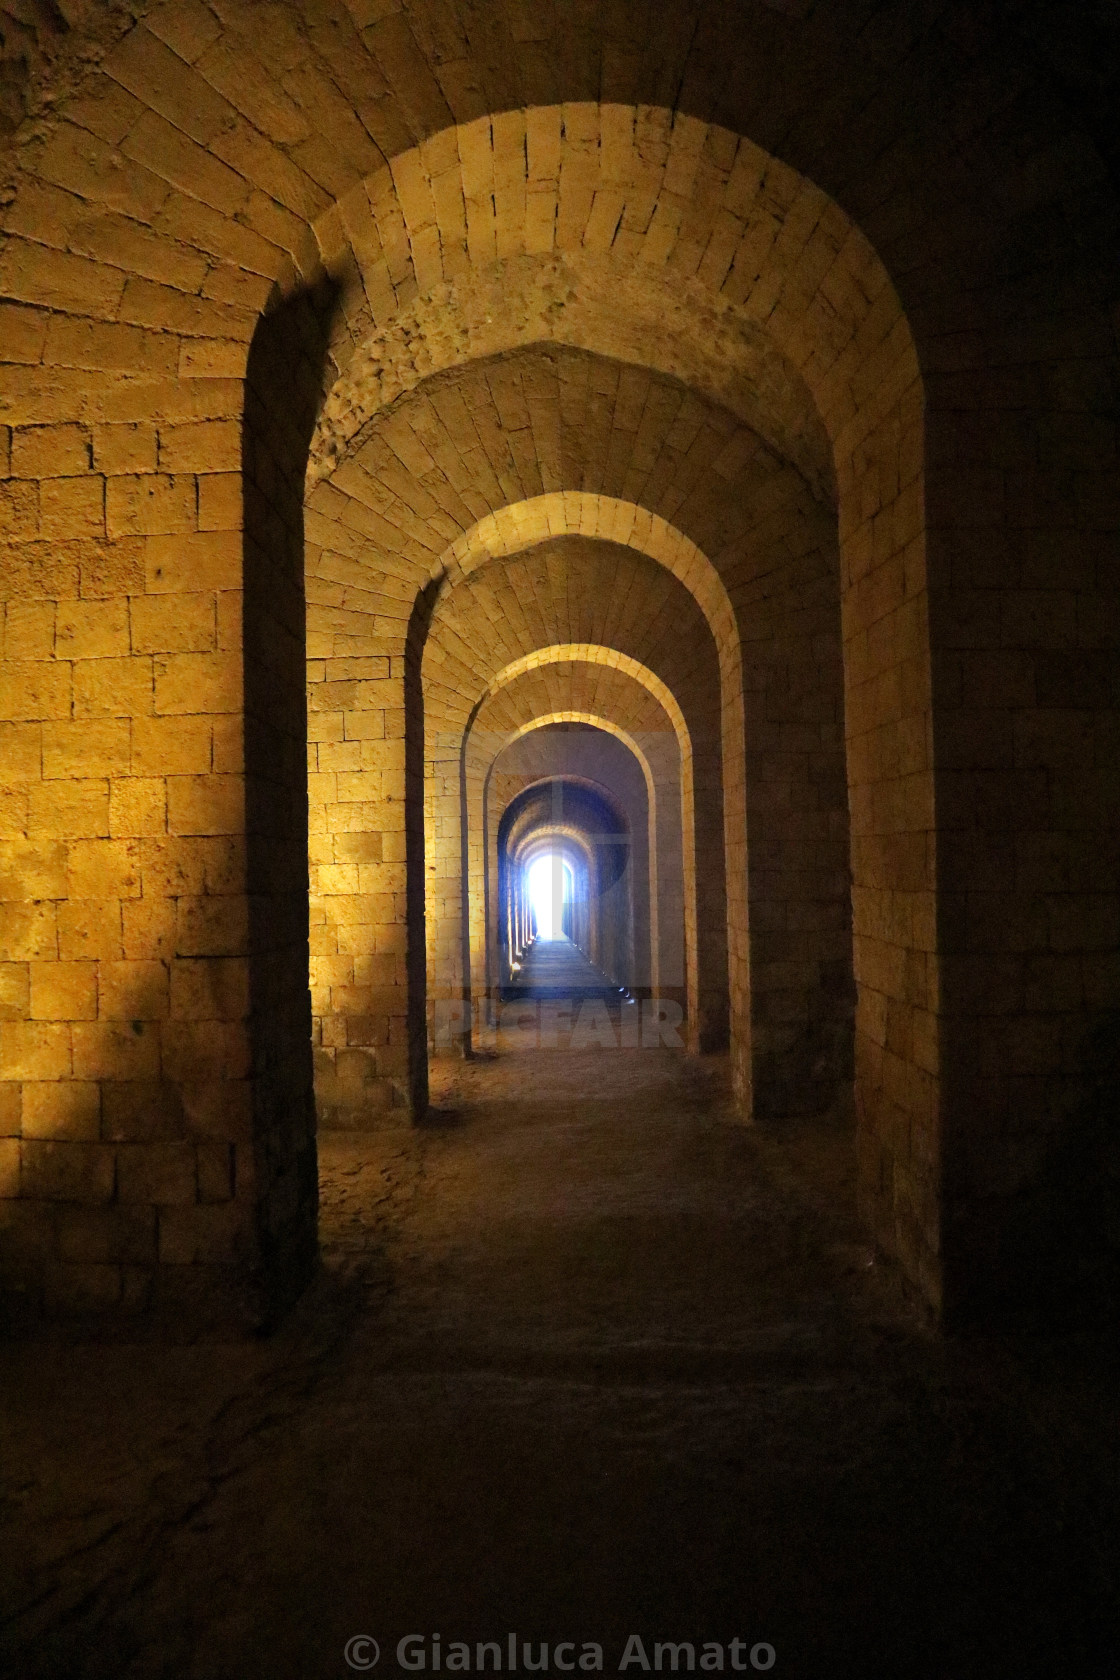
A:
513	773
647	869
672	834
169	106
521	525
751	511
672	960
802	268
656	191
586	653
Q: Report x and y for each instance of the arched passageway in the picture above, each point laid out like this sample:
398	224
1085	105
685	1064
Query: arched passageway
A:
670	447
618	764
619	820
520	356
565	867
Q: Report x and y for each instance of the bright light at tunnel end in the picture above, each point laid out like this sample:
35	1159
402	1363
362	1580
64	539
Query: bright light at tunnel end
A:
550	888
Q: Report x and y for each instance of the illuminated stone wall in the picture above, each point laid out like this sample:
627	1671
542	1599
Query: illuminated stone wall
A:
893	342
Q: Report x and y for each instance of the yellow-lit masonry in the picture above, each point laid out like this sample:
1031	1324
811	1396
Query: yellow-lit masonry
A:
394	419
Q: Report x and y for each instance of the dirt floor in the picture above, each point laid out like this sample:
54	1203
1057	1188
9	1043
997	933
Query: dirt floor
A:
585	1360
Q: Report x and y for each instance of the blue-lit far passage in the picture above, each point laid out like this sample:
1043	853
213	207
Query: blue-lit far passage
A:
550	888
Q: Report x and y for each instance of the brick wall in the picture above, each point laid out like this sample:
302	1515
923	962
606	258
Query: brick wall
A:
912	317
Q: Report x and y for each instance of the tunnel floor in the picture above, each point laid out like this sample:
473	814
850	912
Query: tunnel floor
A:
585	1360
557	968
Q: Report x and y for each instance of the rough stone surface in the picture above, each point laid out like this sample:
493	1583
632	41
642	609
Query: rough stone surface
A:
586	1359
875	243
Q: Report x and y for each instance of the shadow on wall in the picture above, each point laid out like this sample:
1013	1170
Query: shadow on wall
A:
808	1068
1059	1262
284	384
419	624
166	1126
1075	1246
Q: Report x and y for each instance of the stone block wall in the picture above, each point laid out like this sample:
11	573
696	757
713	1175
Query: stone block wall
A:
916	318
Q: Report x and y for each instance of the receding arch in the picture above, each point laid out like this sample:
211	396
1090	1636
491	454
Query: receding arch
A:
568	799
762	247
776	261
569	840
527	838
486	968
473	798
518	526
824	301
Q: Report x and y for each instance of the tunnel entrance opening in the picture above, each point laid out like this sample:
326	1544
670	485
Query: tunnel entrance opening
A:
549	885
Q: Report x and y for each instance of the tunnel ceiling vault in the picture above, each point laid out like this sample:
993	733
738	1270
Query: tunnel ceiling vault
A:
509	452
446	468
570	593
554	785
580	744
562	802
588	513
374	83
568	690
548	793
582	752
677	244
581	300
